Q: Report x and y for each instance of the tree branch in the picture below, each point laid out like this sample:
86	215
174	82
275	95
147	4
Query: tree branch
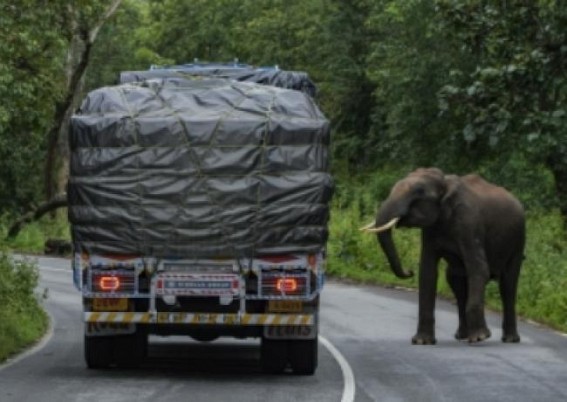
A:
107	14
59	201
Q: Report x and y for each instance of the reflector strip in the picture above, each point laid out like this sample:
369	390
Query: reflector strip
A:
200	318
110	316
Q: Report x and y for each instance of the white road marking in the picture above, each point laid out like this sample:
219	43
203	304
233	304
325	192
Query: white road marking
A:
349	387
53	269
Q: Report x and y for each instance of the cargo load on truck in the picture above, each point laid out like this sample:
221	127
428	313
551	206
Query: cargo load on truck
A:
273	76
199	205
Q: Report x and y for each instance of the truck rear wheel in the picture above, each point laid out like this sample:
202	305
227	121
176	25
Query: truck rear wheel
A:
303	356
274	355
122	350
130	350
98	351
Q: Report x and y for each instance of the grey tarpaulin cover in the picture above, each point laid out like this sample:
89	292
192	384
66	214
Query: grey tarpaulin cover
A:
199	168
298	80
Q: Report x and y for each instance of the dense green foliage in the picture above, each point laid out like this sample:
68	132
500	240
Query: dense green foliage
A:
31	59
465	85
22	320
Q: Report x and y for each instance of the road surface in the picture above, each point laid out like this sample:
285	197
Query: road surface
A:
365	355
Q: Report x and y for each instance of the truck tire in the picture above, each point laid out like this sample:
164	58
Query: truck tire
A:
98	351
303	356
274	355
130	350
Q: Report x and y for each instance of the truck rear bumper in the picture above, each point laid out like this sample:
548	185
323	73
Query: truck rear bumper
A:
237	319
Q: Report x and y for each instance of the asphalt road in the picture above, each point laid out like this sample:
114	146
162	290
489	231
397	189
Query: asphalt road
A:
365	355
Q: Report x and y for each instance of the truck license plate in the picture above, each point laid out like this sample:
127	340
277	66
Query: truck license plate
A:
109	328
290	332
110	304
285	306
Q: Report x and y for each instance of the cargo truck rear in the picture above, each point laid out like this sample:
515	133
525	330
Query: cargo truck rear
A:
199	206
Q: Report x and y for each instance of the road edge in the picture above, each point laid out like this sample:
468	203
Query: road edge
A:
33	348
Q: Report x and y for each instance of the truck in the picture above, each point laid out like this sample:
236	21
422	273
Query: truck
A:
199	205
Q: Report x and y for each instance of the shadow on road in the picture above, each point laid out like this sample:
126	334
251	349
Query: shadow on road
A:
215	357
204	360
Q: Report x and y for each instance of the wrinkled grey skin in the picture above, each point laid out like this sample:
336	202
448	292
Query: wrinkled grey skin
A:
477	228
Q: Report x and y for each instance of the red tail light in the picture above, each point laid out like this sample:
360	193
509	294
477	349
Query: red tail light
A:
114	281
109	283
286	285
283	285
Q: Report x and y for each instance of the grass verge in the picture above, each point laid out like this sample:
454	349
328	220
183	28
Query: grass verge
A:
22	319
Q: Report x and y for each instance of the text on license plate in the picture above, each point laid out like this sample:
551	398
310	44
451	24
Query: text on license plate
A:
290	332
285	306
110	304
169	284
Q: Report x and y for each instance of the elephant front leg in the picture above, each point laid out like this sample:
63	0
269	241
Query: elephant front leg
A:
476	322
427	292
476	265
458	283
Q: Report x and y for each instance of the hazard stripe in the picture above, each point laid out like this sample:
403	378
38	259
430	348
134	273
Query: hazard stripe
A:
245	319
200	318
128	317
262	319
277	320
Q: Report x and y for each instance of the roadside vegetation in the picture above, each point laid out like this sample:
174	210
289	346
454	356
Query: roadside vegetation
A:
22	319
31	239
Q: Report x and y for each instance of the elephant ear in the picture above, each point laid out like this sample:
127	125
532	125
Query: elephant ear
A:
451	197
438	180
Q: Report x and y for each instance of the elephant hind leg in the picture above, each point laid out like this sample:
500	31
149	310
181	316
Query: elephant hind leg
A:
508	288
458	283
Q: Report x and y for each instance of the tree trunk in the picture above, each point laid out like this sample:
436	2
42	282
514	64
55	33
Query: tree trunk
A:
81	42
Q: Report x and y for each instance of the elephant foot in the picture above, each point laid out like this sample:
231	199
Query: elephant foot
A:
423	339
479	335
462	334
511	338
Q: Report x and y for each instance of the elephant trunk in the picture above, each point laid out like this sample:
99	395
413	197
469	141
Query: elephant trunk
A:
387	217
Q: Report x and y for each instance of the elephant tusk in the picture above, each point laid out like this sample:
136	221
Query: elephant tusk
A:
369	226
383	228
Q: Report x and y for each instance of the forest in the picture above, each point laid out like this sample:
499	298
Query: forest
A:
463	85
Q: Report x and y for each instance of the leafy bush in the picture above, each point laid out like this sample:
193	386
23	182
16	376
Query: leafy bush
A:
32	237
22	320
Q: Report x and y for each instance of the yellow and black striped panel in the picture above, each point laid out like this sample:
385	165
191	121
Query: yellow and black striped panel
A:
200	318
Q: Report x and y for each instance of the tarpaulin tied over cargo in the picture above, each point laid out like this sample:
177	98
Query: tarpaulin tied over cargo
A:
199	168
298	80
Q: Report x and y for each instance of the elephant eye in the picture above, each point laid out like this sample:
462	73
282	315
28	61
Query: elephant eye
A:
419	191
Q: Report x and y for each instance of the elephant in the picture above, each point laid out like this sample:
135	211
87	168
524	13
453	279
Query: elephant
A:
478	228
